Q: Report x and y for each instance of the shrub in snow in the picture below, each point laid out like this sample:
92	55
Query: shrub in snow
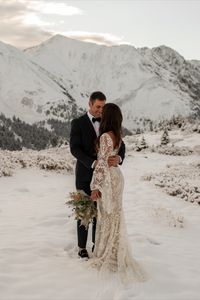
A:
54	159
172	150
180	180
167	217
6	171
147	177
130	142
52	164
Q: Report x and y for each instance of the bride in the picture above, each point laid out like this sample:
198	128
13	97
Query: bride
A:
112	251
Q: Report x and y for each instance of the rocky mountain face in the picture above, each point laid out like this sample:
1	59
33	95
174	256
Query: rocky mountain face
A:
27	90
50	84
171	66
139	80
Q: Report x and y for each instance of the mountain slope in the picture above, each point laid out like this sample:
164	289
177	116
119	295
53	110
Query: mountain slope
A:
55	79
146	83
26	89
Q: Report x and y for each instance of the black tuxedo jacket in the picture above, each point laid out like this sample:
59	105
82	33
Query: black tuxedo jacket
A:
82	146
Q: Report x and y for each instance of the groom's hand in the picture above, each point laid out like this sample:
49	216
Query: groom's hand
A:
113	160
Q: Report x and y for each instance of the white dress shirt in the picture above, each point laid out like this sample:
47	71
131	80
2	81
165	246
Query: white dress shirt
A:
94	124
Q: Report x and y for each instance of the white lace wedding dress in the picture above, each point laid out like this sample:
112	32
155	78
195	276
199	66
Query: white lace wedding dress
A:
112	250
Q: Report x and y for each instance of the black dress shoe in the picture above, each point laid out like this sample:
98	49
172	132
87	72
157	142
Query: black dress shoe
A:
83	253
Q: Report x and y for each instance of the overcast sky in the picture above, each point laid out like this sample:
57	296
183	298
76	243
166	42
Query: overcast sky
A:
141	23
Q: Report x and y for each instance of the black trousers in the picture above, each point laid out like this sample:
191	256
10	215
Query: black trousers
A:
82	231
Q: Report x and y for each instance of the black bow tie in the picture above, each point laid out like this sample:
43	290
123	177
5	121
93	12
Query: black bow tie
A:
96	119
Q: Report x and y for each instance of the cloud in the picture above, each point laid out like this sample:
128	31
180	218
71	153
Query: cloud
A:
98	38
22	23
25	23
10	9
22	36
54	8
33	19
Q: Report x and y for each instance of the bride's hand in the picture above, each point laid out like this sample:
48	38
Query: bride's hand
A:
95	195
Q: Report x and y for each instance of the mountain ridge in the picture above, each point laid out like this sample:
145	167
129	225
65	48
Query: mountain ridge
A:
153	84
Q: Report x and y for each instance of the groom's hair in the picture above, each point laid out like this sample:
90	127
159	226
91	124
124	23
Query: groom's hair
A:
97	95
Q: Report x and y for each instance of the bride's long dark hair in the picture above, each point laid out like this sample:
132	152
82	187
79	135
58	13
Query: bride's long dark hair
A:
111	121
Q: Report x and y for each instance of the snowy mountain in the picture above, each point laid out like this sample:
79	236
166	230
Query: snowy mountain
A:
54	80
147	83
172	67
27	90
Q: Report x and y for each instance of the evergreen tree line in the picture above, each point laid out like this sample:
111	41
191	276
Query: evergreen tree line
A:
61	129
16	134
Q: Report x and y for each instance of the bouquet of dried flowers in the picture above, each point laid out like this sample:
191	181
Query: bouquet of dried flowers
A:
83	207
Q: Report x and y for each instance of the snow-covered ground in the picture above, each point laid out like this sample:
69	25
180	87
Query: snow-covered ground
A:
38	254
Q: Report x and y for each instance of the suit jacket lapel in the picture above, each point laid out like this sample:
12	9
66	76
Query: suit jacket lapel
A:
89	125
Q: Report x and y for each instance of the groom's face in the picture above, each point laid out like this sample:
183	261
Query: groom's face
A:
96	107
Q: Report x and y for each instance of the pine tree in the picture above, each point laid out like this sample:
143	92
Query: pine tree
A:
165	137
151	126
141	145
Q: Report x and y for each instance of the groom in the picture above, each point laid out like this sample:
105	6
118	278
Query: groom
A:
84	132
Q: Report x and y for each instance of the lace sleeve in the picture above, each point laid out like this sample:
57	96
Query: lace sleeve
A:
106	148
